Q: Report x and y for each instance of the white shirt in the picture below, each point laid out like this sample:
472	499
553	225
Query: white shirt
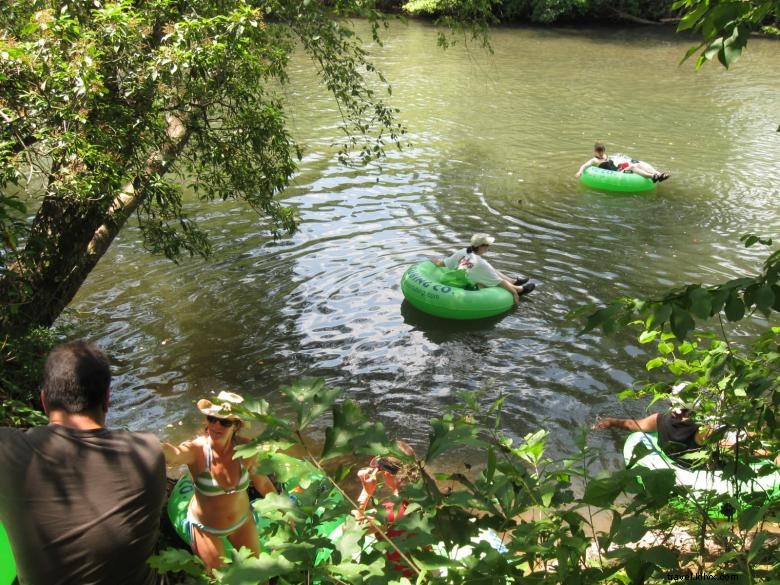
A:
478	270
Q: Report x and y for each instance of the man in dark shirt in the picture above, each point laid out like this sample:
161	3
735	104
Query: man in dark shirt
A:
81	503
677	433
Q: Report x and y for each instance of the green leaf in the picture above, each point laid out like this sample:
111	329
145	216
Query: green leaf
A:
632	529
751	516
735	308
655	363
661	314
700	303
660	556
450	433
757	545
309	399
177	560
603	492
491	465
254	570
764	299
604	317
648	336
353	433
681	323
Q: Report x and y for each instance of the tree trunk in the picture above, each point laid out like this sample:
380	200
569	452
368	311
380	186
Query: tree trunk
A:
69	236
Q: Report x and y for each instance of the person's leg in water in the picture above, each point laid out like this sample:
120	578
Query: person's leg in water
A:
647	170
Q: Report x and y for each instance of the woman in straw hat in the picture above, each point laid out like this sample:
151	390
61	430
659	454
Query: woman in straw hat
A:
479	271
220	504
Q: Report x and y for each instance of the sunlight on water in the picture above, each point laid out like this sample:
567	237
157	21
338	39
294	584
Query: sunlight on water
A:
495	142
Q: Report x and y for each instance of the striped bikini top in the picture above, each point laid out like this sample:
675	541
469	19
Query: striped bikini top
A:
207	484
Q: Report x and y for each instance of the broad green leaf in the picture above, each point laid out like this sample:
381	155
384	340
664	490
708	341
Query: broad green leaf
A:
661	314
681	323
310	399
764	299
701	303
603	492
757	545
632	529
735	308
648	336
751	516
254	570
353	433
661	556
655	363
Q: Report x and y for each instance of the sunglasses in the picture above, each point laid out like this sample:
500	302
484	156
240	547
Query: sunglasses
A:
225	422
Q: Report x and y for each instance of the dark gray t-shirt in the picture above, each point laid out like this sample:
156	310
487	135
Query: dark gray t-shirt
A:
81	507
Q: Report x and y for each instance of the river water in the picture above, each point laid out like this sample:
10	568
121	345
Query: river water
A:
494	142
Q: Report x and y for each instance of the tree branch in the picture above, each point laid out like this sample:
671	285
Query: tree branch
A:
134	191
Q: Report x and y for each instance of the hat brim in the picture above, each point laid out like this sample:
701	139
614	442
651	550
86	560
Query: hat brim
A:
208	408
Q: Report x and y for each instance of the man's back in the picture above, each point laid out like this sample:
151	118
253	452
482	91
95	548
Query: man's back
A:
81	506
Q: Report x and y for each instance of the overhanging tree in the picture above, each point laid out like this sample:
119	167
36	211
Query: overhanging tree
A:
113	109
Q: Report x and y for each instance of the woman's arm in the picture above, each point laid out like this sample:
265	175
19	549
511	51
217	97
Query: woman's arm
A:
261	482
184	453
263	485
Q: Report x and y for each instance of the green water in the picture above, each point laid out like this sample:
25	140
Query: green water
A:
494	142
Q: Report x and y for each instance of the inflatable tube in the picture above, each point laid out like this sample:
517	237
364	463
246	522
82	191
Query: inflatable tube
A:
297	475
7	563
597	178
422	286
701	484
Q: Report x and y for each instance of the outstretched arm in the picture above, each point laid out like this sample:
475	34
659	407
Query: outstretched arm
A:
649	424
590	162
179	454
263	484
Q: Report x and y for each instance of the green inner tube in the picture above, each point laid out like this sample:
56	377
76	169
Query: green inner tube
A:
295	475
423	286
7	564
597	178
703	485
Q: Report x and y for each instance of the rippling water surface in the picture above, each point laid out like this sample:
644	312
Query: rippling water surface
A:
495	141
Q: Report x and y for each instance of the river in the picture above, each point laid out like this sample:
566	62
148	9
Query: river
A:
493	145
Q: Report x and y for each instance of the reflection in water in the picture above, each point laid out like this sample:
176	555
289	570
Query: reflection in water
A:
495	142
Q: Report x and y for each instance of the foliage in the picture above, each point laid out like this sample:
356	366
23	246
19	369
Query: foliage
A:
514	517
548	11
117	109
679	309
458	17
14	413
21	367
724	26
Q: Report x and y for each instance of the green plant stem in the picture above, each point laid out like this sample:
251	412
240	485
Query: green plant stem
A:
374	523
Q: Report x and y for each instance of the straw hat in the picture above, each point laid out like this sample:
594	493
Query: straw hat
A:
223	408
478	240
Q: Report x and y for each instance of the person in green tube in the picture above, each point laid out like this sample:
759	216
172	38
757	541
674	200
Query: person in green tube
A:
479	271
621	163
